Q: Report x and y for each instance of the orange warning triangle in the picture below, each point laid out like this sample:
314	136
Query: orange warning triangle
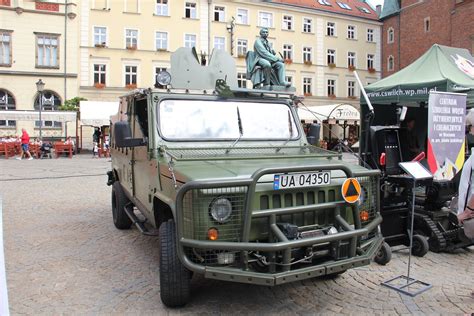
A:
351	190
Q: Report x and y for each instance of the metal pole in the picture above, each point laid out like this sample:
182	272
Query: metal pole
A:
411	228
40	109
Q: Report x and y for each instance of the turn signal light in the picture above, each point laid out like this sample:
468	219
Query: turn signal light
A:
364	216
212	233
382	159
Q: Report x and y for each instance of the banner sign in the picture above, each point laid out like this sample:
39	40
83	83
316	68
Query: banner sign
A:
446	133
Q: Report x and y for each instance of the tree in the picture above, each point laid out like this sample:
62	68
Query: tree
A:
71	104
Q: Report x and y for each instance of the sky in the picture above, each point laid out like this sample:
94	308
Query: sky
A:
375	2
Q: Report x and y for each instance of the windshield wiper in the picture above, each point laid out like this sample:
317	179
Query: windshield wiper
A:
241	131
290	129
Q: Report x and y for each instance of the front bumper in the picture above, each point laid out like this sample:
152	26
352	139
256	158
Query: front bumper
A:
359	252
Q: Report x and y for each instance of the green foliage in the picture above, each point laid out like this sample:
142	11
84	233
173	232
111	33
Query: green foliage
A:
71	104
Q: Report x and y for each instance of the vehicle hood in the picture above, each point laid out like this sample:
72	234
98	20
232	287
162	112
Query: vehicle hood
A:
243	169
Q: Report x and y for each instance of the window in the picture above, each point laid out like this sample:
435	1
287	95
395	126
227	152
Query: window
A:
131	39
351	89
100	36
50	101
7	102
363	10
5	48
307	91
426	24
162	7
219	43
241	47
242	80
324	2
189	40
331	87
289	79
307	54
351	32
47	51
331	57
242	16
130	75
287	22
351	56
190	10
344	6
331	29
307	25
390	63
161	41
370	61
390	35
219	14
265	19
370	35
287	52
99	73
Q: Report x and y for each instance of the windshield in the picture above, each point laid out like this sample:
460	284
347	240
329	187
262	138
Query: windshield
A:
217	120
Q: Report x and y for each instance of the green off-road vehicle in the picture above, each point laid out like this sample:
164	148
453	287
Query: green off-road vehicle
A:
227	180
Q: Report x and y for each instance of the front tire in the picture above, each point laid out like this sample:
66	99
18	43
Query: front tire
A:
119	200
420	246
384	255
175	279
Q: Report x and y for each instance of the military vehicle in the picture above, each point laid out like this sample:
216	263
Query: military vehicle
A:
227	180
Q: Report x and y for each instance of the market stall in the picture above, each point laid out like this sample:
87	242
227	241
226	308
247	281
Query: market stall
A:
95	117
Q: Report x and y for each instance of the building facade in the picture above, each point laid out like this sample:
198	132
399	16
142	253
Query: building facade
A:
38	40
411	27
124	43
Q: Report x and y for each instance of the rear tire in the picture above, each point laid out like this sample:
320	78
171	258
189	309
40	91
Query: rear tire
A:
119	200
175	279
420	246
384	255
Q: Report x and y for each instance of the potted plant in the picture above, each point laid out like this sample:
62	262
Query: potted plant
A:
240	55
131	86
352	97
99	85
371	70
332	65
308	62
132	47
288	61
308	94
351	68
100	45
331	96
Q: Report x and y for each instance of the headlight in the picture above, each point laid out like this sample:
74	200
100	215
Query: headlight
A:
163	78
221	209
363	196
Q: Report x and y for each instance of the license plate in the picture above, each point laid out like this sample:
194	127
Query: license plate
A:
301	180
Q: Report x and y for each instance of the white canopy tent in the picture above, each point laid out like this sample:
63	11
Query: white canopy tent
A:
19	115
337	113
97	113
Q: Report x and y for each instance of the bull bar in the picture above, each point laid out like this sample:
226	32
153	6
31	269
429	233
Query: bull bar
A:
359	255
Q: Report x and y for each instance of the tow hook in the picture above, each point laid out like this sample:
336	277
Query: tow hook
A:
111	178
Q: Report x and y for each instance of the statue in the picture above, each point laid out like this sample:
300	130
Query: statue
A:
263	66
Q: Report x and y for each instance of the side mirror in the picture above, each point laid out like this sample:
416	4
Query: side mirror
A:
123	136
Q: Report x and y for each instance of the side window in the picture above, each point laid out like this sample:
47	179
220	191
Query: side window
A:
141	117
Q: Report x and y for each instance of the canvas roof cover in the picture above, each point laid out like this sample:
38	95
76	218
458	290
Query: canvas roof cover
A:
97	113
442	68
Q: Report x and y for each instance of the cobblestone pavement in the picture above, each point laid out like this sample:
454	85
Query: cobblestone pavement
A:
64	256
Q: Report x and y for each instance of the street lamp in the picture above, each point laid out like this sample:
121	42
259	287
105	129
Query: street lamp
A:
40	88
230	28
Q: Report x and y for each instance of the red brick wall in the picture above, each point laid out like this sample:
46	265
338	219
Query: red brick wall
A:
451	24
389	49
462	29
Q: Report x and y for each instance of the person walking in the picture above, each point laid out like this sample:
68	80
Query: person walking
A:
25	145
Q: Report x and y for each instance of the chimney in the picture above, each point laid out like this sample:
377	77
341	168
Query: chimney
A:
378	9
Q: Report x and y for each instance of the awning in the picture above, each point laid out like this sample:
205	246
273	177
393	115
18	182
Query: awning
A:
97	113
333	113
18	115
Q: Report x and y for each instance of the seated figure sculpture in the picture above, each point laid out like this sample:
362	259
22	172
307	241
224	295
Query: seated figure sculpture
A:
263	66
